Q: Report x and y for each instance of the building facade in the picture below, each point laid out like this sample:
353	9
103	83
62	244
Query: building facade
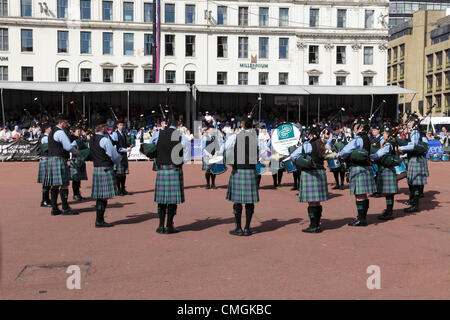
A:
402	10
320	42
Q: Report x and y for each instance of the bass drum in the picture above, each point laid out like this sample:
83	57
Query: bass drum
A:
283	137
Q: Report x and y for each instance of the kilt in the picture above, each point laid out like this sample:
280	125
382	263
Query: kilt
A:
123	167
387	181
361	180
313	186
77	170
242	187
42	173
417	170
57	172
103	183
169	186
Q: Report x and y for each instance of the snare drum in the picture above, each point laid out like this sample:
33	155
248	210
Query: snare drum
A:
445	157
435	157
290	167
218	168
333	163
260	168
401	170
375	169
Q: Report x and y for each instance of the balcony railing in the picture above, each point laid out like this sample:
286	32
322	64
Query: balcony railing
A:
430	69
438	88
439	67
429	90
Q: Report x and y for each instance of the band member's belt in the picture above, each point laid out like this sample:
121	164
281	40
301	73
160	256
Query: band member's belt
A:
168	167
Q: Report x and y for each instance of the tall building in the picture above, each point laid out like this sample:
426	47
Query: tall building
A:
419	59
402	10
340	42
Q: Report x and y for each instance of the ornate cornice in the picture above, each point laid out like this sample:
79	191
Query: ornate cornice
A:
314	72
108	65
341	73
129	65
369	73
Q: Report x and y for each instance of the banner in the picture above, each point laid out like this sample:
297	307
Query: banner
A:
19	150
434	146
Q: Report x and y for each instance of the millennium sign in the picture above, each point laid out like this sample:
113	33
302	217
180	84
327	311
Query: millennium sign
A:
253	64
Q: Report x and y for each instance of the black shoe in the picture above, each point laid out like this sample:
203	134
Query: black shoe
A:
125	192
385	216
170	230
342	187
294	188
411	209
422	195
103	224
160	230
247	232
78	198
312	230
358	223
213	186
407	202
120	193
237	232
46	204
208	186
56	212
69	212
336	187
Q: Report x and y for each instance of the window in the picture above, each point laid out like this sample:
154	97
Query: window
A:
284	17
27	40
128	11
263	78
108	75
429	102
388	74
447	80
221	77
148	44
283	48
438	100
190	13
62	9
341	18
263	48
107	43
263	17
394	73
368	21
128	44
340	80
389	55
190	46
313	80
447	53
4	42
313	17
368	55
402	51
221	15
85	42
170	13
27	73
402	70
128	75
340	54
148	76
243	78
395	51
148	12
283	78
3	8
368	81
170	44
63	74
314	54
243	47
243	16
63	41
439	82
222	47
170	76
189	77
85	75
107	10
439	60
447	102
25	9
430	62
85	7
3	73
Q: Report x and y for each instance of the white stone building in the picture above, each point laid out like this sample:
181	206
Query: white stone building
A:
316	42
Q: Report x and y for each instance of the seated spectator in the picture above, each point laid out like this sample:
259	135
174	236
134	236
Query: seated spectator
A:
5	134
15	134
430	135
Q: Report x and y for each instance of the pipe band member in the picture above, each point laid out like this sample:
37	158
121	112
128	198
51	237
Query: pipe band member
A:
43	165
313	181
416	150
361	174
171	148
386	179
375	142
337	136
104	156
210	143
58	174
120	140
77	164
242	149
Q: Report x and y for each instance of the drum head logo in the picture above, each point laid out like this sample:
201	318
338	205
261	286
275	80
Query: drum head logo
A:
285	131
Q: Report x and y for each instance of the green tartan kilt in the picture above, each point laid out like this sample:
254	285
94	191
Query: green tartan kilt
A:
387	181
417	171
362	180
123	167
78	170
242	187
313	186
103	183
42	173
58	173
169	186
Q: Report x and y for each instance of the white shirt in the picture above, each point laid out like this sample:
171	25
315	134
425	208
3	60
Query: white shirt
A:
5	135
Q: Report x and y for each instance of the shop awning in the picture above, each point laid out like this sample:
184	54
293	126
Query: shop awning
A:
356	90
263	89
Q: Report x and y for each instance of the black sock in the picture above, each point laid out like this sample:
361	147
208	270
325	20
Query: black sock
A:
249	209
274	177
54	199
171	212
76	188
280	176
258	180
318	215
100	206
342	177
237	210
64	193
366	207
162	209
389	203
312	216
411	192
213	179
416	196
124	179
45	194
360	206
207	176
421	189
336	177
118	182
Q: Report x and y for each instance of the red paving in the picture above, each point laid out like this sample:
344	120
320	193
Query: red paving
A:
131	261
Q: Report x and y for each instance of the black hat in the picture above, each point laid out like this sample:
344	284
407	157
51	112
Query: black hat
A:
46	125
61	117
375	126
121	121
335	127
99	121
315	130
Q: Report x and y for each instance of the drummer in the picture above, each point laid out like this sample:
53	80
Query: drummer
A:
386	178
210	143
336	136
264	145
